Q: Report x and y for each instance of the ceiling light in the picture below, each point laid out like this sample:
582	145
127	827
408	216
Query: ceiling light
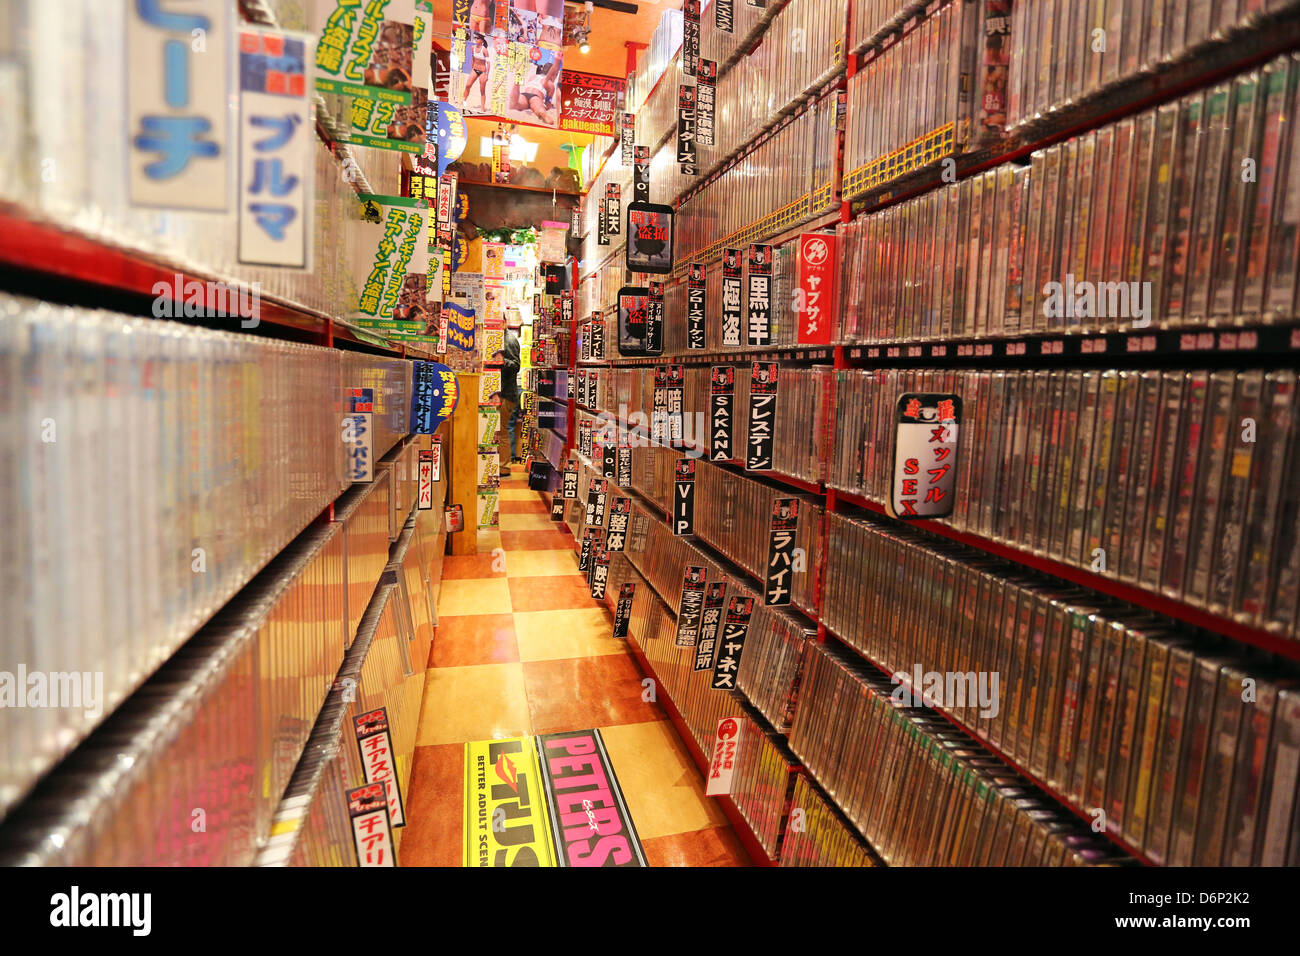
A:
584	46
521	150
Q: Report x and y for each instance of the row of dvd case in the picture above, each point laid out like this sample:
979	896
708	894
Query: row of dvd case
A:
151	469
922	792
1183	746
871	18
1067	51
822	838
801	44
783	324
1180	217
1177	482
781	180
312	826
938	90
800	436
214	737
761	782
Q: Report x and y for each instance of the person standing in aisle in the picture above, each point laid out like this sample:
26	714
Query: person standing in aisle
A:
509	402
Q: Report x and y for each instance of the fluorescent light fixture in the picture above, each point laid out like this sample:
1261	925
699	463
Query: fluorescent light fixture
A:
521	150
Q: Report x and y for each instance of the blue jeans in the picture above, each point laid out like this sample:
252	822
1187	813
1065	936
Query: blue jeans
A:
510	427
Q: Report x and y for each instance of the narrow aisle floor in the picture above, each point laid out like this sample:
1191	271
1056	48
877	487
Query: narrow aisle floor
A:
522	649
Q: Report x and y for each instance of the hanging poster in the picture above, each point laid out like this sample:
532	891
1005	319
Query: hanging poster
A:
706	93
686	156
434	395
508	60
695	300
815	298
690	606
276	149
372	828
613	208
590	103
633	321
641	174
460	330
367	51
731	298
627	135
759	298
710	624
378	759
762	415
722	765
722	417
735	627
780	551
684	497
724	16
167	93
623	610
650	238
690	36
392	268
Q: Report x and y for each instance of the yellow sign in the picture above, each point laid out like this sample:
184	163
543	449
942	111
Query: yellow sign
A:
506	823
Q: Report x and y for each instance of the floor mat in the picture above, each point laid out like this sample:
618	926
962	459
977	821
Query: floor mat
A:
550	800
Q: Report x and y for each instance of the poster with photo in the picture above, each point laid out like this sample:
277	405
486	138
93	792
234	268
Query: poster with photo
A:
366	52
391	266
507	59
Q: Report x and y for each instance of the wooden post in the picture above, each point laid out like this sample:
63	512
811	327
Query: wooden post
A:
462	464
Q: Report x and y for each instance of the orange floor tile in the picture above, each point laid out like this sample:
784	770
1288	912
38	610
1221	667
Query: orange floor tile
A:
522	649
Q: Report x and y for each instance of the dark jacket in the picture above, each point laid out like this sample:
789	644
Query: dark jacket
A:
510	368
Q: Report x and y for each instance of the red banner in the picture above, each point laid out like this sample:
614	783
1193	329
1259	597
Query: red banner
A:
818	257
590	103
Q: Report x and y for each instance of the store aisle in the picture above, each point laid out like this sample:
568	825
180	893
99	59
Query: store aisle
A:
521	648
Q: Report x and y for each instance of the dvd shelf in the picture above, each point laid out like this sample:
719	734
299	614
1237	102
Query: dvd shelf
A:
761	782
786	178
922	792
1115	709
1066	53
221	726
800	437
1162	480
938	90
1158	221
772	665
1170	481
875	19
216	450
188	558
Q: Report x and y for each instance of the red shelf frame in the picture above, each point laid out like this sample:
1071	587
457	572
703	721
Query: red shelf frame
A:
58	254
